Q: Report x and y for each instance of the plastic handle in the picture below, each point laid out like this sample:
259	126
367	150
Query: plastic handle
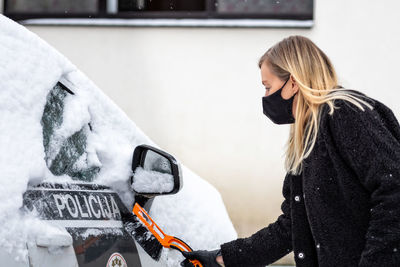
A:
165	240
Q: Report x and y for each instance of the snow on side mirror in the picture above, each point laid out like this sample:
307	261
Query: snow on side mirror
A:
155	172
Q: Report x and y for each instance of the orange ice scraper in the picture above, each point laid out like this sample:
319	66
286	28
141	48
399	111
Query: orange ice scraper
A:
166	241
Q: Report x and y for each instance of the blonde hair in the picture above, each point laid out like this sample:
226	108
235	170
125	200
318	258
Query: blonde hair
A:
316	78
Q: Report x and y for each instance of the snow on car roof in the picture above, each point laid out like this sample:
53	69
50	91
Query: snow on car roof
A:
30	68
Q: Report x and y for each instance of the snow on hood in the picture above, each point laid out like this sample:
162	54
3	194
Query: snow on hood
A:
30	68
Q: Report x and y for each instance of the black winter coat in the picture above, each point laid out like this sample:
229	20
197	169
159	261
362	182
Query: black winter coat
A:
344	207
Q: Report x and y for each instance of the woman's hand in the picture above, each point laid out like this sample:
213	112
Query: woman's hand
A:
207	258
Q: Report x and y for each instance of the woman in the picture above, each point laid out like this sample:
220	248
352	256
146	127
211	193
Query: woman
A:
342	187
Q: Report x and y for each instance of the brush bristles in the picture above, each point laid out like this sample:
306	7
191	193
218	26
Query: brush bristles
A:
142	236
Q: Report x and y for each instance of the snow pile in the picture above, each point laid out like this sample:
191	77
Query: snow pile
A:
146	181
30	69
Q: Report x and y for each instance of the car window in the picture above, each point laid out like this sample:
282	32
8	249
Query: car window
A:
65	154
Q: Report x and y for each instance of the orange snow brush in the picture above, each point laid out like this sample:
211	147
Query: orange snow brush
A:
166	241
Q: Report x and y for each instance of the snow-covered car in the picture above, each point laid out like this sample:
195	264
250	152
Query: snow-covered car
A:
69	177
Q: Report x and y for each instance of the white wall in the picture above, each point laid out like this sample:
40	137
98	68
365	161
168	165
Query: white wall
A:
197	92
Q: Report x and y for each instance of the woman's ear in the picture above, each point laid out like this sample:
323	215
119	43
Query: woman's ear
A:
294	86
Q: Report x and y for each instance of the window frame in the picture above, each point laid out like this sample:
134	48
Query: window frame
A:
208	18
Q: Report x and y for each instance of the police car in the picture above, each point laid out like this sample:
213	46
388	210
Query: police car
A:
93	215
68	178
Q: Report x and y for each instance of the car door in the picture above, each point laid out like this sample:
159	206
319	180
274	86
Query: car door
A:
92	215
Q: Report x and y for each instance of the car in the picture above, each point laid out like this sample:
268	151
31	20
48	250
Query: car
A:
73	165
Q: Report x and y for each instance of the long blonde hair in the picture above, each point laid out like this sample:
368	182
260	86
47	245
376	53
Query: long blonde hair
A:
318	84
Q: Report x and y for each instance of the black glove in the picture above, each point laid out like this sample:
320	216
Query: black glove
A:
207	258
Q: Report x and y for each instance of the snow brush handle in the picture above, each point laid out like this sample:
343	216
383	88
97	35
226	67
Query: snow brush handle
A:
165	240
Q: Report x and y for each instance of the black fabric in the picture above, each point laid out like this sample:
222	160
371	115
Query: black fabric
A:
344	208
278	109
207	258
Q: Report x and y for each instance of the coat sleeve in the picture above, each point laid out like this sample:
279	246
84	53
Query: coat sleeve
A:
371	148
265	246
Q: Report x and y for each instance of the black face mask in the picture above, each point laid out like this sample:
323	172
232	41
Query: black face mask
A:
278	109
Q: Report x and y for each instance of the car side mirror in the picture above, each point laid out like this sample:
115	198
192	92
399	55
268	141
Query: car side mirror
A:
155	172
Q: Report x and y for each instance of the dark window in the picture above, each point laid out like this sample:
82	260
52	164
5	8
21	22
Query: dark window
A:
266	7
301	10
161	5
49	7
